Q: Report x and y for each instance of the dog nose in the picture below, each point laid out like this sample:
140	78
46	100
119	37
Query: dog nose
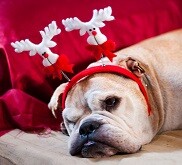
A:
88	127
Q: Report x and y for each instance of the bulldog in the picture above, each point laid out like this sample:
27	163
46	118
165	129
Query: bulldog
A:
106	113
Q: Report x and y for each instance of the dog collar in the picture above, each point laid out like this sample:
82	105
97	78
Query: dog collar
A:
104	69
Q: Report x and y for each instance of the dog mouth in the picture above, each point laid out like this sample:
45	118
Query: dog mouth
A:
88	147
93	149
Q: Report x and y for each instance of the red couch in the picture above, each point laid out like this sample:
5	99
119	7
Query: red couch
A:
25	89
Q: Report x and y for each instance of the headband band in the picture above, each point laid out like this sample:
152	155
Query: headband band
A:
105	69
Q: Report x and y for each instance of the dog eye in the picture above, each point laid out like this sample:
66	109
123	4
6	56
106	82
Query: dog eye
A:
71	123
111	102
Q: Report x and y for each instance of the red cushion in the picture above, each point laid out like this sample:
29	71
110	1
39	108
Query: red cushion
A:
135	20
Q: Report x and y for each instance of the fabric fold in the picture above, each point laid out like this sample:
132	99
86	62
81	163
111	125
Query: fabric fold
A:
25	112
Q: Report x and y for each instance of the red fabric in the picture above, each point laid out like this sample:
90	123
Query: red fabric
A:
23	77
27	114
105	69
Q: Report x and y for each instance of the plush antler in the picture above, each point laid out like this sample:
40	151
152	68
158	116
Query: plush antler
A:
100	16
96	21
24	45
48	33
73	24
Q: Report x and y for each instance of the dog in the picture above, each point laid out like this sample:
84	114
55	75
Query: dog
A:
107	113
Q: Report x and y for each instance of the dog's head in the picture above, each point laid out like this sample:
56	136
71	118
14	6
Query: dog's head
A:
106	113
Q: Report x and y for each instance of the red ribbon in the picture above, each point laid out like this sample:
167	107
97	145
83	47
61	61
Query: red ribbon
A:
61	65
104	49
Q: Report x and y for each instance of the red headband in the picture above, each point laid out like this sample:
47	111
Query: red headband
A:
105	69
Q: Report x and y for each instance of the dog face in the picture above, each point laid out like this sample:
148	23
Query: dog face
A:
106	114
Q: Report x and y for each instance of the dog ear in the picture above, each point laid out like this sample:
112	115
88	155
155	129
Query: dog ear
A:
133	65
55	101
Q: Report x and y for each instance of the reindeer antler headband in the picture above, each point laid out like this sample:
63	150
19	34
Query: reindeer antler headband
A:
97	41
54	64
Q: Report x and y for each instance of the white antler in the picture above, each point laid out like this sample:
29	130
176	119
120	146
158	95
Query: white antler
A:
96	21
48	33
100	16
72	24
